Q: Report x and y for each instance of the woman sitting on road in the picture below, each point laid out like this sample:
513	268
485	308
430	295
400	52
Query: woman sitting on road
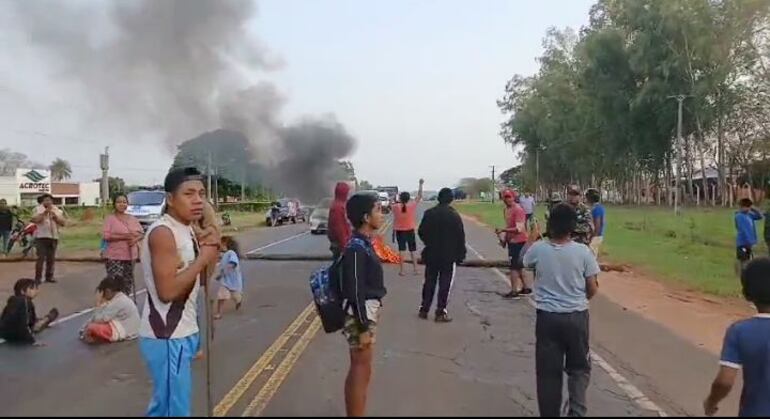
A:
122	233
405	224
115	318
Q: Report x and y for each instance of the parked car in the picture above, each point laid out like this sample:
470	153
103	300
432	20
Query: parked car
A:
285	210
146	206
319	218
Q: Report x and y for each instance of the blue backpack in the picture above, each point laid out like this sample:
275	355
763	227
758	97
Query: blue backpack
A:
326	287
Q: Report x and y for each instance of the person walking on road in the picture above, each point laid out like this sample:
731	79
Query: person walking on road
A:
527	203
363	289
339	227
565	279
598	215
230	276
173	261
49	219
745	226
746	347
122	234
514	237
584	230
443	233
6	225
405	224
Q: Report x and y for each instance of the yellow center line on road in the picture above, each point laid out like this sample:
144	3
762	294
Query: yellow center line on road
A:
235	394
267	391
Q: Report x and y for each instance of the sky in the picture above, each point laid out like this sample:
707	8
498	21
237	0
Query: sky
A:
415	81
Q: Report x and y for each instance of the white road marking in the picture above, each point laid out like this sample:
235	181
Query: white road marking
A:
143	291
277	243
631	390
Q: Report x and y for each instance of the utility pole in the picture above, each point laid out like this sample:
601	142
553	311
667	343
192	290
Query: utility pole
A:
208	173
493	184
677	175
104	163
243	184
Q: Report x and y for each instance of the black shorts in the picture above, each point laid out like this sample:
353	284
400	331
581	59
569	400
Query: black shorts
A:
744	253
514	255
406	238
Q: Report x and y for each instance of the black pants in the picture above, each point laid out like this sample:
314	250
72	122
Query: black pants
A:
562	345
441	275
46	253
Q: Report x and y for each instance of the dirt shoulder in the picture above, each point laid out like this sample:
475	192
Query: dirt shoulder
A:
696	317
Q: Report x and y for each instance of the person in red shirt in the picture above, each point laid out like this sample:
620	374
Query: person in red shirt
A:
514	236
339	231
405	224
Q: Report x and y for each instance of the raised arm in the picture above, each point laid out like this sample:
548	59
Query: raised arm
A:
173	286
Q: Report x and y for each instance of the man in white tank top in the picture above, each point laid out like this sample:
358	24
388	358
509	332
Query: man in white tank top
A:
172	261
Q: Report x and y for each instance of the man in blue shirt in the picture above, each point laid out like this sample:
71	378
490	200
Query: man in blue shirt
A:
565	279
745	220
747	347
598	215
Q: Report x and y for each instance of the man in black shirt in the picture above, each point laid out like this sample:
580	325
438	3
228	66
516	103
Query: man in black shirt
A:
6	225
444	236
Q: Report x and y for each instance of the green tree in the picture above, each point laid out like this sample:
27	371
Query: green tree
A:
60	170
116	186
365	185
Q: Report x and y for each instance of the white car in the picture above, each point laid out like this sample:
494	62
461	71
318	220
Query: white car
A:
384	201
319	218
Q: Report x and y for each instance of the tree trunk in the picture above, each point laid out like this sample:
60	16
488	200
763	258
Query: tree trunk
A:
703	178
722	185
688	158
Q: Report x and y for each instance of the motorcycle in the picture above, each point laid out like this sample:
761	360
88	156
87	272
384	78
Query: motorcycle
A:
24	235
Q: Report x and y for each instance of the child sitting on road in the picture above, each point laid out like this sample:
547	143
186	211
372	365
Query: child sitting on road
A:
115	318
747	347
19	322
230	276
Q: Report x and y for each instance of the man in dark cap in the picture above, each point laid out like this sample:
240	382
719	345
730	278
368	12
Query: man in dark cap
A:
444	236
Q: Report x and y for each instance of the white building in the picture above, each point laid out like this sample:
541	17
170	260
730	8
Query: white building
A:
24	188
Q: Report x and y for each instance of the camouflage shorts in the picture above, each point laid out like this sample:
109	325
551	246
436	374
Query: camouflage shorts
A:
354	331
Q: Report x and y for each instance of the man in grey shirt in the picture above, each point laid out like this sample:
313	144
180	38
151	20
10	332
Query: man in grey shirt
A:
565	279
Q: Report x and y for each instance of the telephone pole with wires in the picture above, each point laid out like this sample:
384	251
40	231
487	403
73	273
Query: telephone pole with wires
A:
493	183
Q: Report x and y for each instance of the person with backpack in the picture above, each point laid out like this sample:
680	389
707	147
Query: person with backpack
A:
362	289
444	236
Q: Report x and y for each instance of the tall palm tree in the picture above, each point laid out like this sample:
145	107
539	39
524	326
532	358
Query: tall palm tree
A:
60	170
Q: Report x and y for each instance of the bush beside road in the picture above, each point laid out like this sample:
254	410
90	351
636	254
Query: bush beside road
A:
695	249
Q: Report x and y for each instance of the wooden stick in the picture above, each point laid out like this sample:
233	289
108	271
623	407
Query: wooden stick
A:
209	336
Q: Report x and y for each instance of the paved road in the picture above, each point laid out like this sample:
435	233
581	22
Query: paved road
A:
270	359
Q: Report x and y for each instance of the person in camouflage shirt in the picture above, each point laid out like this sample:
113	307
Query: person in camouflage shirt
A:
584	231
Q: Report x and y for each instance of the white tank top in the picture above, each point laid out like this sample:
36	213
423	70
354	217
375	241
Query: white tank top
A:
176	319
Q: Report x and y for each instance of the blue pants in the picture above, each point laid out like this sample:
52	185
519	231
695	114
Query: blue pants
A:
169	362
5	235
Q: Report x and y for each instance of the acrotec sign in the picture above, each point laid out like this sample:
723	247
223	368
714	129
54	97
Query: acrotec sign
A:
33	180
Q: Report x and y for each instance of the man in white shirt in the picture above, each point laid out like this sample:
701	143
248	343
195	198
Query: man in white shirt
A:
48	219
527	203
